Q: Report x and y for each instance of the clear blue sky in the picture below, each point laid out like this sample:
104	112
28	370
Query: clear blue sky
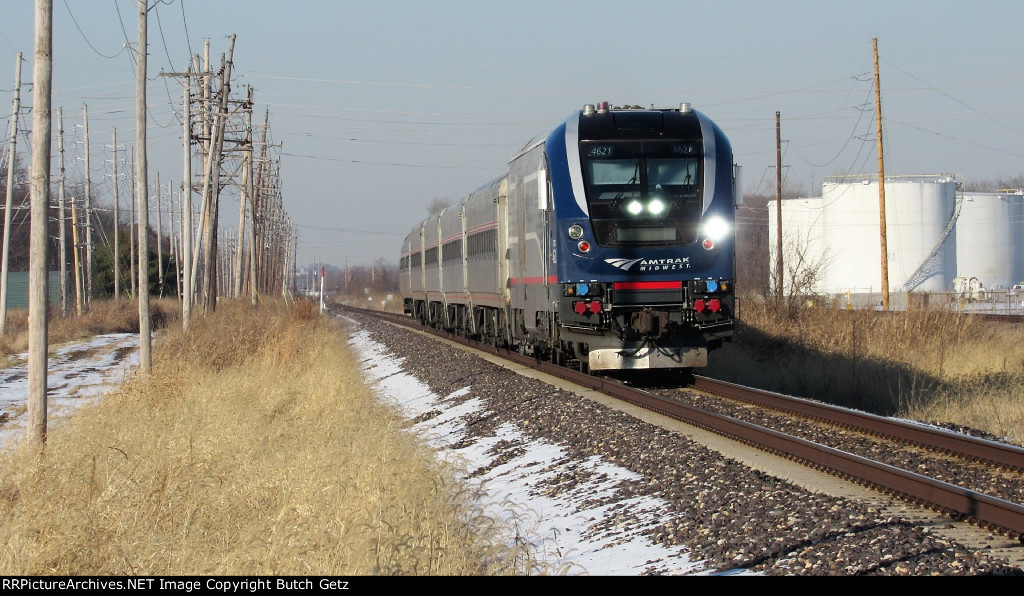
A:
382	106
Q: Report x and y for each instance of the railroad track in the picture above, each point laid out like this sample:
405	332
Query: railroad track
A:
1004	515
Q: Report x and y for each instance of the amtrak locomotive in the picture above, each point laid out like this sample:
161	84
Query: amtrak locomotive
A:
609	245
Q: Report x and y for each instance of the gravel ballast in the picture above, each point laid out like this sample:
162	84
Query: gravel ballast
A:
714	510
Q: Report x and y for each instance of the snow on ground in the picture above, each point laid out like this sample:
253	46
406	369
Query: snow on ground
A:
77	373
562	531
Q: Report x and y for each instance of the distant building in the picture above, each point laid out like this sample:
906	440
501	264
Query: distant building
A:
17	289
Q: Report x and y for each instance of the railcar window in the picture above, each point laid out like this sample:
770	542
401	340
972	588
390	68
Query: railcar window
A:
452	251
482	243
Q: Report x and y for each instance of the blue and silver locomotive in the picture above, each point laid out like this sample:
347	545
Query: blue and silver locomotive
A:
608	244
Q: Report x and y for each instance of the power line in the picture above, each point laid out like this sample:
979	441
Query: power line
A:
951	98
381	163
82	33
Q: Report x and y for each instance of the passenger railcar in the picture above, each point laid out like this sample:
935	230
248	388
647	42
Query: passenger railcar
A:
609	243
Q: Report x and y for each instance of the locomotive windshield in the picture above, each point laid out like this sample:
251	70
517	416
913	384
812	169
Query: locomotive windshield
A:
643	192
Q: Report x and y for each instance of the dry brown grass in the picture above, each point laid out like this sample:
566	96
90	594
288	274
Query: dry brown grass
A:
925	364
103	316
253	448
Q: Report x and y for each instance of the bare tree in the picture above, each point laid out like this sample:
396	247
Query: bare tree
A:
803	271
437	204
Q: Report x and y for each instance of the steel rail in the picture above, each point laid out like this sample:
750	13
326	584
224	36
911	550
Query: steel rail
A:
983	510
1010	457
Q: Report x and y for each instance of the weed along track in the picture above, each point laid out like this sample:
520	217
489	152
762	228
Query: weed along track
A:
740	507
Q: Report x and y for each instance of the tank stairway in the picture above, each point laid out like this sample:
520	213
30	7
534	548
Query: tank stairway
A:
932	264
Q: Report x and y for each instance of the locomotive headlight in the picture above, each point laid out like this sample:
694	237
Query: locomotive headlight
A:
575	231
656	207
635	207
716	229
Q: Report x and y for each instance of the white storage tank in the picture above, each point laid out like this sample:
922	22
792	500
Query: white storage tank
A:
918	211
990	239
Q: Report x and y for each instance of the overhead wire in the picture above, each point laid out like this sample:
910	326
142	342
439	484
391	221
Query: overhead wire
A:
953	99
86	38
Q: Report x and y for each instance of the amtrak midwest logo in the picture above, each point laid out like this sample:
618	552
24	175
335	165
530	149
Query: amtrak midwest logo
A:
648	265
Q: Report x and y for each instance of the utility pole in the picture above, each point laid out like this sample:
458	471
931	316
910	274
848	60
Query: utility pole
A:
779	275
175	244
145	341
243	196
211	186
131	227
186	210
881	183
79	293
159	249
62	233
183	257
116	260
88	213
42	79
251	192
206	114
11	154
159	234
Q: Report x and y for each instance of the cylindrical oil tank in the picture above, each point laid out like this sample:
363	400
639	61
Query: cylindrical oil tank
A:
918	210
990	239
803	240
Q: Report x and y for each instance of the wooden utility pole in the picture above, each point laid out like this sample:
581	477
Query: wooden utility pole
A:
186	210
131	227
9	205
160	235
251	240
211	186
79	293
159	232
42	78
61	216
145	341
184	252
881	183
244	195
779	276
116	260
88	212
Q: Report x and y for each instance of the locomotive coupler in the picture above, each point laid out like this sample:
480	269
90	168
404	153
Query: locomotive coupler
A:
648	322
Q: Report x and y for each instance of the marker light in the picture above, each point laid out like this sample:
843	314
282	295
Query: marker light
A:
708	244
635	208
584	246
576	231
716	229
